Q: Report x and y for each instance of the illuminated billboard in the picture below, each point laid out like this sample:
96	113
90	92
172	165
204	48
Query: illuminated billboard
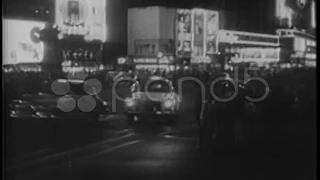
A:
313	14
184	32
248	38
21	42
212	27
295	13
257	55
86	18
198	28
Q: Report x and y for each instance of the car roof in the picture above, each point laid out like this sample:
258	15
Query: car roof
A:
70	80
159	78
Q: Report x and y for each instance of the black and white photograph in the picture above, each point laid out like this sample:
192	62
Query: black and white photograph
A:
159	90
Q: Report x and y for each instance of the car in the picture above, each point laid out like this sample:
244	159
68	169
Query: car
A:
45	104
116	75
155	97
21	109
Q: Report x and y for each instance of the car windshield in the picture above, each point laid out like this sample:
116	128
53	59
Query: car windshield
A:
154	86
77	89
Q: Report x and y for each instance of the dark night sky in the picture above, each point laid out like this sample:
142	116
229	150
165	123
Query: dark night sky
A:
240	4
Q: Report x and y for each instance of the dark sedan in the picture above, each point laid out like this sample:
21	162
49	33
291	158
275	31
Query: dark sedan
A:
155	97
45	105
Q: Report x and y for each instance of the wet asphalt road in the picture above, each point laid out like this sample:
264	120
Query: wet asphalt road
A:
163	152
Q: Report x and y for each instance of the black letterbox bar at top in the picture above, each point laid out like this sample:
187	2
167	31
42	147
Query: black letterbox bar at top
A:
256	39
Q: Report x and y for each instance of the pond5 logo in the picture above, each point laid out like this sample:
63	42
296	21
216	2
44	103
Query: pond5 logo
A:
71	98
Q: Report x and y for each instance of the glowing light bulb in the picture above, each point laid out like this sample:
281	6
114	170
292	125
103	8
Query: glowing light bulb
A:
60	36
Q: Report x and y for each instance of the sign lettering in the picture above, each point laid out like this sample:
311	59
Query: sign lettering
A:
164	60
198	60
228	38
26	47
151	60
257	54
311	56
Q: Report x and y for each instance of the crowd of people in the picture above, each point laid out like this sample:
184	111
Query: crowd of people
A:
283	120
297	84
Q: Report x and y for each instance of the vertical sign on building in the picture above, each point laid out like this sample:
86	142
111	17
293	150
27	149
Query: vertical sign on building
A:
85	18
212	27
183	32
198	32
313	14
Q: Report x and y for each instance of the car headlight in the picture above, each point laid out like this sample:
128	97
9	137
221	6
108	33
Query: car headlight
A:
168	103
39	114
105	103
130	102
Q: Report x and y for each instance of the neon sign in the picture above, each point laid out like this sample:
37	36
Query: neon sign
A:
82	17
311	56
184	32
257	55
145	60
161	60
284	12
313	14
199	60
238	37
122	60
164	60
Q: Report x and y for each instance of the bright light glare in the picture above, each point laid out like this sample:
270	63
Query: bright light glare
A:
60	36
280	8
289	14
168	104
229	36
129	102
284	12
92	13
313	14
19	48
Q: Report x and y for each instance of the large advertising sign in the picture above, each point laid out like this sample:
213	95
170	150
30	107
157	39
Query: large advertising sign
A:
258	55
211	30
184	34
198	26
295	13
313	15
21	41
82	17
239	37
152	47
155	60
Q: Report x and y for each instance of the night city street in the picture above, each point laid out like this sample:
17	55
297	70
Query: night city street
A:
160	153
159	90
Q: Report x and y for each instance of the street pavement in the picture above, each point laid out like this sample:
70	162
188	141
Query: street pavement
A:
113	149
153	151
28	139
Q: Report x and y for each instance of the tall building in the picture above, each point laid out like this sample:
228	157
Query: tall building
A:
196	37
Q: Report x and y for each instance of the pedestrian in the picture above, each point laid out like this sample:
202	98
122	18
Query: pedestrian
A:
218	118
